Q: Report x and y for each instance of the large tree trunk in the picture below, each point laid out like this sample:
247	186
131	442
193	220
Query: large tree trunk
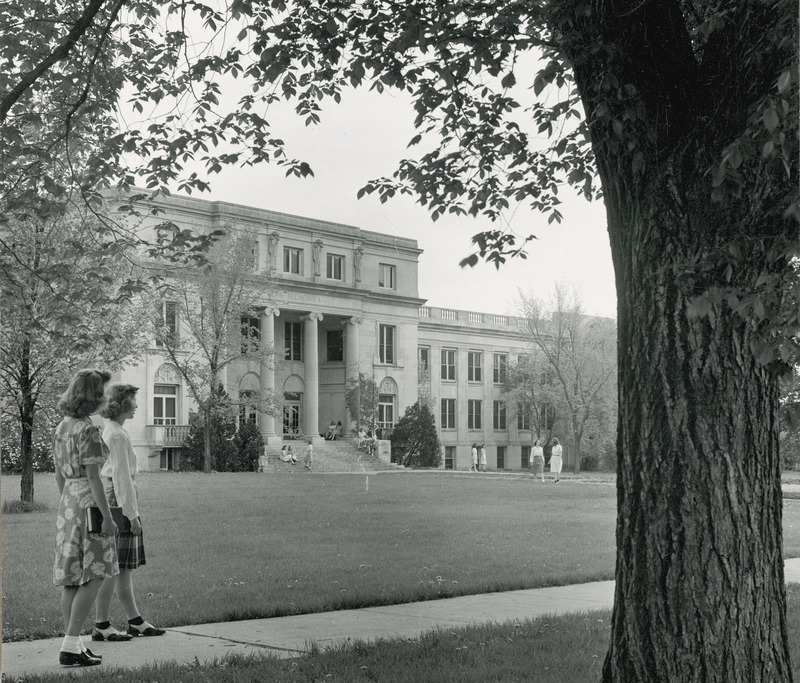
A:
700	592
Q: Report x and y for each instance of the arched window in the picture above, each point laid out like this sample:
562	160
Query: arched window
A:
166	395
387	406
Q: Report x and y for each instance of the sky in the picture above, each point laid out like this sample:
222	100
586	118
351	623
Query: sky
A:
363	138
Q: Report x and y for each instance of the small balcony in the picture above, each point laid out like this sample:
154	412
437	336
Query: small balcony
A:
168	436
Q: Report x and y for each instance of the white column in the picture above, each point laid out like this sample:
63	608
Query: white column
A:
311	371
267	373
351	359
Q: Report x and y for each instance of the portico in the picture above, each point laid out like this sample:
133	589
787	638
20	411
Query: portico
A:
315	356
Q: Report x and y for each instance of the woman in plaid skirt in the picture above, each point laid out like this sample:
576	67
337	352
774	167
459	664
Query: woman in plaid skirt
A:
119	473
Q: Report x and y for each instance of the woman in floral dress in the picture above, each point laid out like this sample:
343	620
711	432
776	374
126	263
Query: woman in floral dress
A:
82	559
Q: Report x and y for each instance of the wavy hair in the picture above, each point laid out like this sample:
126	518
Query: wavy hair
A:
119	397
85	393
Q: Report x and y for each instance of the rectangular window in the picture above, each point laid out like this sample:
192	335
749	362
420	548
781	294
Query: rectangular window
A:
525	457
524	417
424	358
499	364
254	254
385	412
501	457
167	323
334	343
450	457
167	459
448	413
499	415
335	268
293	341
474	369
386	344
251	334
448	364
165	404
293	260
387	276
548	418
474	414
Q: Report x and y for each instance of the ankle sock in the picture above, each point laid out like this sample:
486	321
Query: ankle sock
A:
136	621
71	644
102	625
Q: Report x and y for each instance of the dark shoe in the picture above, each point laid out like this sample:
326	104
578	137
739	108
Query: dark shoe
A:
110	634
87	651
148	631
80	659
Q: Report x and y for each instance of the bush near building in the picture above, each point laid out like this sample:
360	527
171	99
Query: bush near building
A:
414	439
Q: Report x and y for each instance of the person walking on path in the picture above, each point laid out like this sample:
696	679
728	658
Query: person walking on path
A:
119	477
82	559
483	457
555	460
537	459
474	467
309	459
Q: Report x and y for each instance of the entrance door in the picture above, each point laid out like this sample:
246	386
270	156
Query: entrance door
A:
292	410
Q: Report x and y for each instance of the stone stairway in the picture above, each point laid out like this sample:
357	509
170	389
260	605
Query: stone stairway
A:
341	455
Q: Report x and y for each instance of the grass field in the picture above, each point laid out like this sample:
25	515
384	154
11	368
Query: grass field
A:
229	546
259	546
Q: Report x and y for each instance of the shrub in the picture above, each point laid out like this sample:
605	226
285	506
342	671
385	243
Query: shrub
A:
223	431
249	444
11	451
414	439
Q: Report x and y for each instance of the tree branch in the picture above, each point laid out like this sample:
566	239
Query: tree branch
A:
79	29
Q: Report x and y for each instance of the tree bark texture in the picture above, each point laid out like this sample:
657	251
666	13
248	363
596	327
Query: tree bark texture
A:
700	592
26	414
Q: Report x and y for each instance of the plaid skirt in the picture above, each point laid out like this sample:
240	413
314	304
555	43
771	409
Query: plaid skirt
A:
130	547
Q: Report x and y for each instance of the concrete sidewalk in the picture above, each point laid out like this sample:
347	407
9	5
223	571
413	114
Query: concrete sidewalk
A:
293	636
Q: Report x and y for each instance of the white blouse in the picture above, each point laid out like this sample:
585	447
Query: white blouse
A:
121	467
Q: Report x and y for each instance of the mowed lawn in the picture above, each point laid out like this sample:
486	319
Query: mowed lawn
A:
233	546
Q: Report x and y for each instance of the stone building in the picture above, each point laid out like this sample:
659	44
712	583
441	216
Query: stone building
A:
343	300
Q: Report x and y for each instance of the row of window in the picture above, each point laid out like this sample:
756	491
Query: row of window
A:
293	264
474	365
334	344
475	415
450	457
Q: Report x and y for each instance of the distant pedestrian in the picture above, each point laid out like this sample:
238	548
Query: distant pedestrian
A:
483	458
263	460
537	459
474	467
309	459
555	460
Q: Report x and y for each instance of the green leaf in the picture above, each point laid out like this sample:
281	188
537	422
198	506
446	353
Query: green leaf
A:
771	120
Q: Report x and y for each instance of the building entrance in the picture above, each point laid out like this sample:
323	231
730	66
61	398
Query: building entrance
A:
292	416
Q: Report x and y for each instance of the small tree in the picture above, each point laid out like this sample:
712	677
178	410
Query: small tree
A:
361	398
210	335
415	442
211	431
248	443
580	352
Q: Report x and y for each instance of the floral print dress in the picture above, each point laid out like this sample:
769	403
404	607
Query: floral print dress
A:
79	556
